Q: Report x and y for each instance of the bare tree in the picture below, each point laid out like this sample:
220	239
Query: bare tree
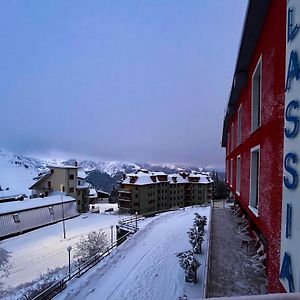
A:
88	246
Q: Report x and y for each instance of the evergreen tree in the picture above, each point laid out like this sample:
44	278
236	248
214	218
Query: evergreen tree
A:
190	264
114	196
220	189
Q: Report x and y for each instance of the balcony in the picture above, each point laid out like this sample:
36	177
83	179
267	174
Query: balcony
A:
124	203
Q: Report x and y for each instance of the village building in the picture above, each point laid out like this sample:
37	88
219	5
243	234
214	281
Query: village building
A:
62	178
146	192
260	134
97	196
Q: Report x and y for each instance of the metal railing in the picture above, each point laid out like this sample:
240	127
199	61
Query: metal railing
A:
208	256
128	224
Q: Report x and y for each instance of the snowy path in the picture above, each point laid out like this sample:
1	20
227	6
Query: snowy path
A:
145	266
36	251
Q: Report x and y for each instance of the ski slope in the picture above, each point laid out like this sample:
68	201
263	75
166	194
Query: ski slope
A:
145	266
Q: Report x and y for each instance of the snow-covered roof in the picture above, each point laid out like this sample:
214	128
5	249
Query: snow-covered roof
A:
145	178
40	179
32	203
102	192
61	166
205	179
142	178
93	193
159	173
178	179
81	174
82	186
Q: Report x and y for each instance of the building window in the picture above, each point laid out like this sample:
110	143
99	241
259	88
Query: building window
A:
254	180
49	184
239	126
231	172
71	176
16	218
78	202
238	174
256	97
78	192
52	171
78	182
71	190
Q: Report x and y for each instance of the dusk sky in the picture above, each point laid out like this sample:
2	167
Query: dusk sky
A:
142	81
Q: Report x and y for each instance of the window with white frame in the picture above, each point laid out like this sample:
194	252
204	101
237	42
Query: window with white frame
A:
256	96
239	126
16	218
254	179
231	172
238	174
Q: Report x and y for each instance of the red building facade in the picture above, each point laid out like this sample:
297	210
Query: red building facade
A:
254	127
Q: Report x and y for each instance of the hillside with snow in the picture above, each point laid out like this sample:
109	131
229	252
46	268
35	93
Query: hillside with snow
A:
17	171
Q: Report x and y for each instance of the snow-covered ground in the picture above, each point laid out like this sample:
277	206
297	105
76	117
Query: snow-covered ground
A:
13	167
36	251
145	266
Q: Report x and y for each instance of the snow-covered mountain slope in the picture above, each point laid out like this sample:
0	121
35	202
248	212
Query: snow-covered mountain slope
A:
17	172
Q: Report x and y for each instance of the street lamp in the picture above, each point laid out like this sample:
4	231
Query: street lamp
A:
62	208
69	250
136	215
111	235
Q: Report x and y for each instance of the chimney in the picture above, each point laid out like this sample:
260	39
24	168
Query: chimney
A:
75	163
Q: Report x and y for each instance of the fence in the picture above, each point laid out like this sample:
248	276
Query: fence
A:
127	224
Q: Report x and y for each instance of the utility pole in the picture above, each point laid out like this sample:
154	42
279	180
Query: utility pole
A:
69	250
63	212
136	215
111	235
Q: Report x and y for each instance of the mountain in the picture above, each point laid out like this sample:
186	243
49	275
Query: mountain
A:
17	171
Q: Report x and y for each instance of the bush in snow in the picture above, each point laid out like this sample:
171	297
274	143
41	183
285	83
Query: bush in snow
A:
196	239
29	290
95	242
190	264
200	222
4	264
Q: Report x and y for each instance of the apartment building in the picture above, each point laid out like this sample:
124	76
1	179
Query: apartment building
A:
260	134
145	192
62	178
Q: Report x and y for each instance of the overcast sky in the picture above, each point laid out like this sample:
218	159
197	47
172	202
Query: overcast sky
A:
143	81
